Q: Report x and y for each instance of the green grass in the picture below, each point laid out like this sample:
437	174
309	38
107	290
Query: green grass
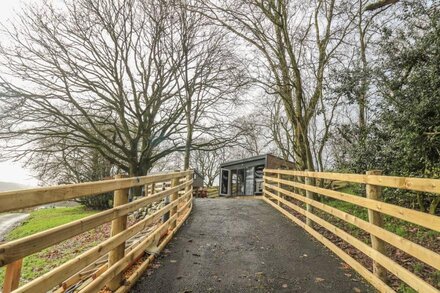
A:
347	207
397	226
40	220
44	219
415	233
350	189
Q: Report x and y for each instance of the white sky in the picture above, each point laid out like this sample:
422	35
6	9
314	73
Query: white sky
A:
13	171
7	8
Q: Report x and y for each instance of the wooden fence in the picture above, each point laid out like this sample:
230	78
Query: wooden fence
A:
283	188
106	263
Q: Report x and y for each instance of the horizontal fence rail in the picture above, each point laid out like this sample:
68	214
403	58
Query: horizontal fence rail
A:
104	264
288	190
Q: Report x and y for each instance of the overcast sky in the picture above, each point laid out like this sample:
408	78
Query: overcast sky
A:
11	171
7	8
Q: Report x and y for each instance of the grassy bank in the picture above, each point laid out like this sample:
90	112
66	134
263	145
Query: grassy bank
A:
40	220
420	235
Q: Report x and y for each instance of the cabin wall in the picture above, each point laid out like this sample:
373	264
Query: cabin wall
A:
246	176
278	163
198	180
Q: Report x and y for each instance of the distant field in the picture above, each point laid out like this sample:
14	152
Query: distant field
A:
5	186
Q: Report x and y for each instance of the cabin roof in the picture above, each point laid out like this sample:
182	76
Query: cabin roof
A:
245	160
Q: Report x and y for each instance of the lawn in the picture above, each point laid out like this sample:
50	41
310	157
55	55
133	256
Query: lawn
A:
44	219
40	220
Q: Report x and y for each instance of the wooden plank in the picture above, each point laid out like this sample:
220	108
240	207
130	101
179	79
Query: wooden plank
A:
309	195
429	257
365	273
63	272
189	188
174	196
128	284
12	276
153	188
409	278
408	183
119	266
100	271
423	219
20	248
81	275
375	192
99	266
187	205
278	184
19	199
118	225
135	276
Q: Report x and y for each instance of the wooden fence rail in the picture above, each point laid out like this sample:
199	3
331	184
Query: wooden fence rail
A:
285	194
104	264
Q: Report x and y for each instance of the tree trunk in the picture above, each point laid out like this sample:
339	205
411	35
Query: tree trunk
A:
420	202
364	83
434	204
135	170
188	147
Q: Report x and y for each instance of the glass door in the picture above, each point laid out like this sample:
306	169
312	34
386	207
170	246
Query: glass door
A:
249	181
225	181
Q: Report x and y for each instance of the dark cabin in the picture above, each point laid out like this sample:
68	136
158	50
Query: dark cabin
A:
198	180
245	176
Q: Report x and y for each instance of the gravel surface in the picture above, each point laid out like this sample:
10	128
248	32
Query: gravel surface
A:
237	245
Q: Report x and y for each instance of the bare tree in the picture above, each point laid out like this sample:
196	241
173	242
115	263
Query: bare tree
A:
211	77
295	42
93	74
252	137
281	132
207	163
60	165
322	128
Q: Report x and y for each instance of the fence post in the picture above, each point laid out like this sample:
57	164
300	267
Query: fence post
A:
146	192
279	186
189	188
309	195
375	192
12	276
174	196
153	188
118	225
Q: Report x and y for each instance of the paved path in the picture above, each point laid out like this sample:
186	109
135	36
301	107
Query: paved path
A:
10	221
232	245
